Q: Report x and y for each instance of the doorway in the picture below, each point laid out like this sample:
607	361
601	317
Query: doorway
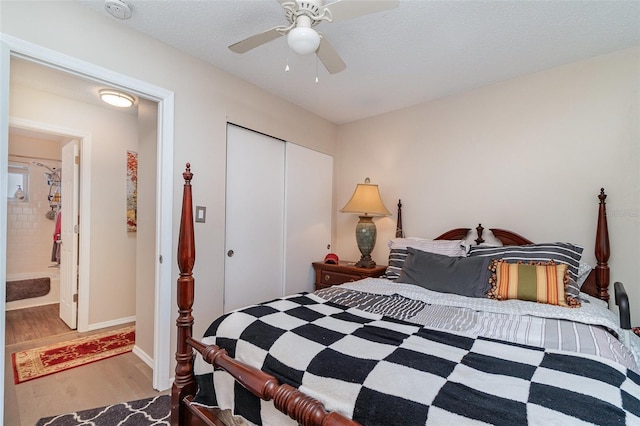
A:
164	188
36	227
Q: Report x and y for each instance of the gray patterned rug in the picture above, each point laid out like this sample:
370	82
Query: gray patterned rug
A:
144	412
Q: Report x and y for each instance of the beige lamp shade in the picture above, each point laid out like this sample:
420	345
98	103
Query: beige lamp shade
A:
366	200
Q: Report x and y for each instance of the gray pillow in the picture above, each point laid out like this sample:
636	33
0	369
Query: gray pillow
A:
466	276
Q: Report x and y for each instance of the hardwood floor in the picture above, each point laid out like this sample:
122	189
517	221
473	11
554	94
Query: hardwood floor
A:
23	325
117	379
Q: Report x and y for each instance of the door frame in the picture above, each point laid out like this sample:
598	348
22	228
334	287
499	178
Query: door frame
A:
84	241
13	46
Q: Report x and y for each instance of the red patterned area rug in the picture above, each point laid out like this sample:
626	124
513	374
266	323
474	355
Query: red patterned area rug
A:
34	363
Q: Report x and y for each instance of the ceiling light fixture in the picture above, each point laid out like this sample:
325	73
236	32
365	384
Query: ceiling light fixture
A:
117	99
303	39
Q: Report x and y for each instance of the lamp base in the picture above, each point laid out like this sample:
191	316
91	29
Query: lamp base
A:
366	262
366	239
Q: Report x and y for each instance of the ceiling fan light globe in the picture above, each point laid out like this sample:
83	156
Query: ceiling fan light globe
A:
303	40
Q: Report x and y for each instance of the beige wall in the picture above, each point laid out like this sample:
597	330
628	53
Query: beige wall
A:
529	155
205	99
27	146
113	250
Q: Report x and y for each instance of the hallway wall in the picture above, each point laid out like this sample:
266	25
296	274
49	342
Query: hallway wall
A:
113	250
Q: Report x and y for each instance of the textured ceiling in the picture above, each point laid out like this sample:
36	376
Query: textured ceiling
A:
420	51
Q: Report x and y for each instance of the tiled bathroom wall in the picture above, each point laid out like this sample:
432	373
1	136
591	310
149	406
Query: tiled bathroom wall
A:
29	232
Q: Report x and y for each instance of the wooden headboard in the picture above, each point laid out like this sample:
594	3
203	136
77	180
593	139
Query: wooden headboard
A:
597	283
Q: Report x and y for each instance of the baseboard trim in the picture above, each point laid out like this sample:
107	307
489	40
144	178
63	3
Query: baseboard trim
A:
143	356
112	323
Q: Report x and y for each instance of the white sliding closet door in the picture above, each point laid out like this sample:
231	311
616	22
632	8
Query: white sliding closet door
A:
309	190
254	259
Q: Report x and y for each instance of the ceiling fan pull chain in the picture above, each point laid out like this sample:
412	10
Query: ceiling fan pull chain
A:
316	69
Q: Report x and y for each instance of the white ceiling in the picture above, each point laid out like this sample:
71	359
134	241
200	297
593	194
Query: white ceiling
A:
420	51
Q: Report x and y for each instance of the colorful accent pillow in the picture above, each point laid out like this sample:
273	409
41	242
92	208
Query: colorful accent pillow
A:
535	282
398	251
560	253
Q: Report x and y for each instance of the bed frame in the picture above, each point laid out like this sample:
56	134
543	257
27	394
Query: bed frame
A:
300	407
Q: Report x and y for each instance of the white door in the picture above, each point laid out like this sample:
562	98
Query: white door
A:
254	218
309	195
69	234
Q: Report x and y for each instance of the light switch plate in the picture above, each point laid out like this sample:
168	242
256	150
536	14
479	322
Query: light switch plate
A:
201	214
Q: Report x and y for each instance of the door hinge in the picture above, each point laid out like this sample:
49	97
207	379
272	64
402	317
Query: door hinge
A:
75	229
77	159
160	258
75	298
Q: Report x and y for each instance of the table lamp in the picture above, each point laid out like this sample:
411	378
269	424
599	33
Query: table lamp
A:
367	203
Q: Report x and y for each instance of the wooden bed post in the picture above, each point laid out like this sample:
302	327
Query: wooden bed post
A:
602	249
184	383
479	231
399	231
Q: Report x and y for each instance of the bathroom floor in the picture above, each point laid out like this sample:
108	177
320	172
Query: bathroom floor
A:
34	323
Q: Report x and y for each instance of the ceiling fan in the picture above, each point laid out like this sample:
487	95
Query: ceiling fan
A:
305	14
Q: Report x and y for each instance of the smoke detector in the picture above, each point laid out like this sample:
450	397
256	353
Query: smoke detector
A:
118	9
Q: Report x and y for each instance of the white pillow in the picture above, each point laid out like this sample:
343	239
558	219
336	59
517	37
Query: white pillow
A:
584	269
490	240
445	247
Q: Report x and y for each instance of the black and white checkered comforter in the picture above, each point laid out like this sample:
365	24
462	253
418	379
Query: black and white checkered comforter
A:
383	371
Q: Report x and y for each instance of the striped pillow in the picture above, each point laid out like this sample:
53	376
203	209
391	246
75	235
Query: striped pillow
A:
398	251
560	253
535	282
396	261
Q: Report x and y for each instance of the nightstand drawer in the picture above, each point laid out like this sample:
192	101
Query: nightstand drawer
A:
330	278
329	274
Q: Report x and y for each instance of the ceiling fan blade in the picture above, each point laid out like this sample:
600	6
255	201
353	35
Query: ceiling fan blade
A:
256	40
347	9
329	57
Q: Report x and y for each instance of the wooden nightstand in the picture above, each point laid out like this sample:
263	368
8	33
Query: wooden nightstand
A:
328	274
